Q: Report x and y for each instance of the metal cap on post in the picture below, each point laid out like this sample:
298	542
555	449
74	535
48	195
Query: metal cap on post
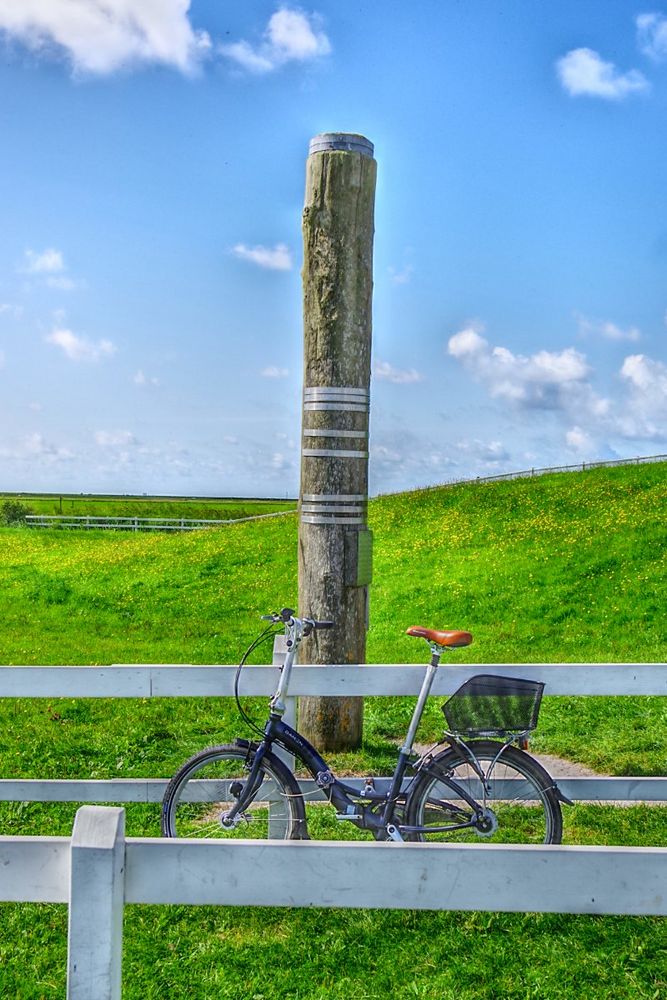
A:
350	142
334	541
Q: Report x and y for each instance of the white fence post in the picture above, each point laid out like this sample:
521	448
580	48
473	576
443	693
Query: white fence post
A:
97	895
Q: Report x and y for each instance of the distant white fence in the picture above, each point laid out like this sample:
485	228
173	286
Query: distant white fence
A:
97	871
139	523
529	473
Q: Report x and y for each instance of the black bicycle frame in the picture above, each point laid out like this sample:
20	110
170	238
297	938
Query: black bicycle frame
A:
345	799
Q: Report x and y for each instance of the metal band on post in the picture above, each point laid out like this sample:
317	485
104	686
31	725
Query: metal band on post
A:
333	433
343	398
333	508
332	453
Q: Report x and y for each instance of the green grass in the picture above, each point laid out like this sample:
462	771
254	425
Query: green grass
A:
560	568
206	953
213	508
564	567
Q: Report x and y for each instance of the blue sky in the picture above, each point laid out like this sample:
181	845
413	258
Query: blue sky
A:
151	187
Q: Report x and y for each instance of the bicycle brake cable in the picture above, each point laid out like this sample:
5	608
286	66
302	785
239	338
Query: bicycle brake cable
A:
264	636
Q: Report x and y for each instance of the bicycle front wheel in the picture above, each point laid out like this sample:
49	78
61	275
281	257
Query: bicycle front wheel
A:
517	796
208	785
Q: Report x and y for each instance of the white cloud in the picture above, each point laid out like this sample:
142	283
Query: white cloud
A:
386	372
80	348
273	371
403	276
115	439
644	414
559	382
35	446
62	282
402	458
50	266
101	36
290	36
652	35
467	342
280	462
139	378
49	261
277	258
645	374
546	379
578	440
582	72
488	453
606	329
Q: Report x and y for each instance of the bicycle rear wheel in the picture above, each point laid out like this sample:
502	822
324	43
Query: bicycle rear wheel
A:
518	795
210	783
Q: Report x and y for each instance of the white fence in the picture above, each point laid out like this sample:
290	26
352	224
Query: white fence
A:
171	681
139	523
97	870
529	473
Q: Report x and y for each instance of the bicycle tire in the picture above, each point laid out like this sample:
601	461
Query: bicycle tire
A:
530	814
195	810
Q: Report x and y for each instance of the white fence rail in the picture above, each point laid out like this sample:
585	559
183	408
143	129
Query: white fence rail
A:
171	680
97	871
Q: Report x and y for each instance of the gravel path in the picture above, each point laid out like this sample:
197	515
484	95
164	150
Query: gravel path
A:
558	767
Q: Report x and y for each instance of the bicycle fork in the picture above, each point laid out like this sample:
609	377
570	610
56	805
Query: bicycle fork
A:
248	790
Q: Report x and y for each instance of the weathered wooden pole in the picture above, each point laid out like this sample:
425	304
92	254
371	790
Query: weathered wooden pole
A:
334	541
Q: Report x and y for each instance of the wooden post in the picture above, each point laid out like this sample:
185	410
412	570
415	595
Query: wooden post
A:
334	541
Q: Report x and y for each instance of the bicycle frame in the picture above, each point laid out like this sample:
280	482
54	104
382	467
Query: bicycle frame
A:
351	805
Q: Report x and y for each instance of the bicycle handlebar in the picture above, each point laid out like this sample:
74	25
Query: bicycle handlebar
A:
286	617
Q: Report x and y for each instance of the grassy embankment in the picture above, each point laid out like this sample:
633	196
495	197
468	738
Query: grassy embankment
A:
568	567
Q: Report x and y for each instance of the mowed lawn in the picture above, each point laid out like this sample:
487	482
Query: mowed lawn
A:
559	568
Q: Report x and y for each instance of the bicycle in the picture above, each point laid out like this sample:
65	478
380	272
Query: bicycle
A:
474	785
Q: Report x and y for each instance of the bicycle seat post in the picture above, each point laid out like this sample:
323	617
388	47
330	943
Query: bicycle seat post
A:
429	677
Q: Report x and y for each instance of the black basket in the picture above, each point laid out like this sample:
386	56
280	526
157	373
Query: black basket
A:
494	706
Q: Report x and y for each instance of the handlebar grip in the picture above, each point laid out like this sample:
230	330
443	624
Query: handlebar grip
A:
324	624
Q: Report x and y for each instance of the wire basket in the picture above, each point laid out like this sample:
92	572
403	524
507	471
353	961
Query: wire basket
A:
494	706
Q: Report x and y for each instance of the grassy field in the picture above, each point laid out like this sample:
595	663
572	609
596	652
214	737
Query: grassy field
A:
564	567
88	505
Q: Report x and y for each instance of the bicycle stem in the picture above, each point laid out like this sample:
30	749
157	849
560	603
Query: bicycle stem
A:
294	637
